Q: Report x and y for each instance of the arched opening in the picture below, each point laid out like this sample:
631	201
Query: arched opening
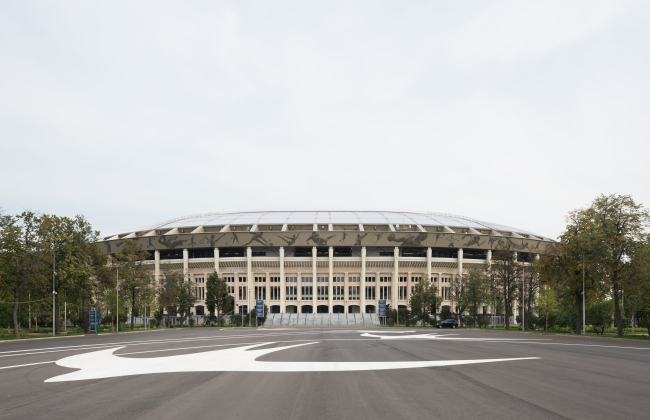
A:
338	309
322	309
292	309
403	307
200	310
354	309
274	309
370	309
307	309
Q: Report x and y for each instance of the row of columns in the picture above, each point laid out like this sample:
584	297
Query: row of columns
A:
251	285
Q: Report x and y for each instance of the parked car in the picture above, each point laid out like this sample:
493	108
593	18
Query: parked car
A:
447	323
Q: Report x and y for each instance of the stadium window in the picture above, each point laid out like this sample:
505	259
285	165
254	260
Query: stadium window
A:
402	292
338	279
353	292
242	279
307	292
323	292
260	292
354	279
274	279
292	279
260	279
384	292
370	292
322	279
292	292
415	279
370	279
385	279
403	279
307	279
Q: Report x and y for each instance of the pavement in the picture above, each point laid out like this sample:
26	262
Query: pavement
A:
321	372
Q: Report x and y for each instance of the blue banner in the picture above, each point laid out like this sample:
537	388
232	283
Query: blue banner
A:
382	307
93	321
259	308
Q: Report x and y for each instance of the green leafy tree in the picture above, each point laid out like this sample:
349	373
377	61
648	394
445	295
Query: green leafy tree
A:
135	277
476	292
168	289
505	270
547	305
217	297
185	299
421	301
21	257
621	224
599	315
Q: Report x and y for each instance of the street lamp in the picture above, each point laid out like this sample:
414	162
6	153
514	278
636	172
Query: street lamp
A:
249	307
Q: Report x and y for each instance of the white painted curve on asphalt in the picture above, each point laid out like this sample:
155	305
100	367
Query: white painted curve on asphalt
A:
104	364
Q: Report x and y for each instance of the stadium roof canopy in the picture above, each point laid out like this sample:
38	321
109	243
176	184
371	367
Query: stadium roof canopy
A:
326	217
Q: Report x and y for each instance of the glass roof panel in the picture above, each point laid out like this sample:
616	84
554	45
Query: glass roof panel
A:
344	217
323	217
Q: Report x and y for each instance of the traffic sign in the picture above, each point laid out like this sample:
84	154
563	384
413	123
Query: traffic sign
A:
93	322
382	307
259	308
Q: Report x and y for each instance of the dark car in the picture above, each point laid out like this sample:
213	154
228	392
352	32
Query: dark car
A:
447	323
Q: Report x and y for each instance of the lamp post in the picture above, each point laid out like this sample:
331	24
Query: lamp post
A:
117	306
53	294
583	293
249	307
523	294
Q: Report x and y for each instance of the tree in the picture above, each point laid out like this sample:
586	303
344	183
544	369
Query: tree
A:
547	305
599	315
217	296
421	301
168	289
458	296
21	257
476	292
504	273
185	299
620	223
135	277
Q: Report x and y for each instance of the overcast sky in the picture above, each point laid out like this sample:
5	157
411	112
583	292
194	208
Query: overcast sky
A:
512	112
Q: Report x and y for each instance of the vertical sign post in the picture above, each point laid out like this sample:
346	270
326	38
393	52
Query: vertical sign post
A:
259	310
93	322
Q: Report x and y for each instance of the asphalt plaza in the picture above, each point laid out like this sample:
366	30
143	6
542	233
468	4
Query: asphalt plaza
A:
303	372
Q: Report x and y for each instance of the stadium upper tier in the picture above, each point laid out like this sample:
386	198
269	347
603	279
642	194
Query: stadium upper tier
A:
324	221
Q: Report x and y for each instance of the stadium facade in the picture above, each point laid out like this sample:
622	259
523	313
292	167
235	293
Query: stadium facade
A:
324	261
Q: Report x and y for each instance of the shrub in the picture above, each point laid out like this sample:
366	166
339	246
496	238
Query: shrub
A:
191	322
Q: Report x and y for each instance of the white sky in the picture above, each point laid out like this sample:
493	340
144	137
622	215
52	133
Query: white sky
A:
136	112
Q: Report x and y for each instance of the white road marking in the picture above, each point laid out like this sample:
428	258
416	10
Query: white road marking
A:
104	364
26	364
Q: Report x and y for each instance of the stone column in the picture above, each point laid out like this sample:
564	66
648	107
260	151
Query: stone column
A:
488	257
429	263
283	290
250	296
216	261
314	282
156	255
460	262
395	291
330	288
186	264
362	298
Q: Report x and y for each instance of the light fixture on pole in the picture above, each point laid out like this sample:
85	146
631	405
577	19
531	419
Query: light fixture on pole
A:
248	307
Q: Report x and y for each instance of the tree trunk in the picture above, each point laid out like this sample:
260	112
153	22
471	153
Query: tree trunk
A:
617	309
16	326
546	326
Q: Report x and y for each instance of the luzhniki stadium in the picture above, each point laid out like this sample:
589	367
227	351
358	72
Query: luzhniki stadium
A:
323	261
